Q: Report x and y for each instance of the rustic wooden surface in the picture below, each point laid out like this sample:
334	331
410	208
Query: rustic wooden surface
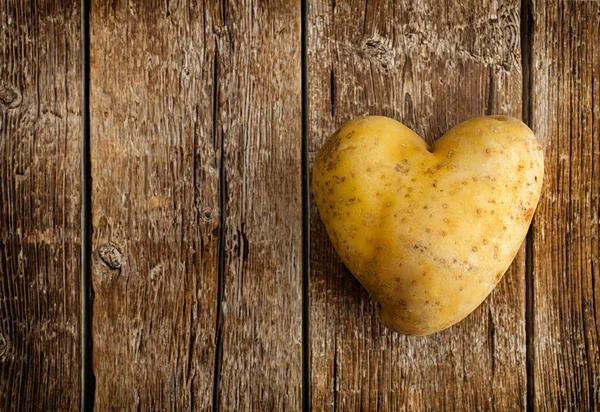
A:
259	120
429	65
40	151
566	259
196	149
155	206
196	206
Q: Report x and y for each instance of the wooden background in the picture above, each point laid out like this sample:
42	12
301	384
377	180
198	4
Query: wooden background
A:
206	295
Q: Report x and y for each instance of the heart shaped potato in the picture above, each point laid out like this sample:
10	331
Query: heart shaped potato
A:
428	231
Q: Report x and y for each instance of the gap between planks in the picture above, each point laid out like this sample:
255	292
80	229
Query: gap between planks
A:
87	374
306	375
526	26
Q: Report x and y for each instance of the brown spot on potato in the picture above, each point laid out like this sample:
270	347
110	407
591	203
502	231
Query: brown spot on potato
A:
402	167
474	249
444	206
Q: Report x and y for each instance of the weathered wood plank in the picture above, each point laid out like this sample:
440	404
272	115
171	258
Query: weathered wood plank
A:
566	268
429	64
155	170
260	123
196	167
40	146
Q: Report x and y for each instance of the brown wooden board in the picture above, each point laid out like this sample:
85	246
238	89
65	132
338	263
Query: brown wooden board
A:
566	283
259	121
155	205
196	199
40	150
430	65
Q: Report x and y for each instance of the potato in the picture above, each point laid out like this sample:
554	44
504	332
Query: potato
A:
428	231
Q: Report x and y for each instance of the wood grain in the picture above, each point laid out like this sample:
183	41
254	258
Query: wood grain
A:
155	205
260	121
196	205
40	135
429	65
566	283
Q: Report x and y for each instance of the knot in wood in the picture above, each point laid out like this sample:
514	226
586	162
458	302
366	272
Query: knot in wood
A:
207	215
10	97
378	50
111	256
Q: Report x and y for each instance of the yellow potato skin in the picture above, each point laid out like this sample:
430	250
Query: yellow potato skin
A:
428	231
